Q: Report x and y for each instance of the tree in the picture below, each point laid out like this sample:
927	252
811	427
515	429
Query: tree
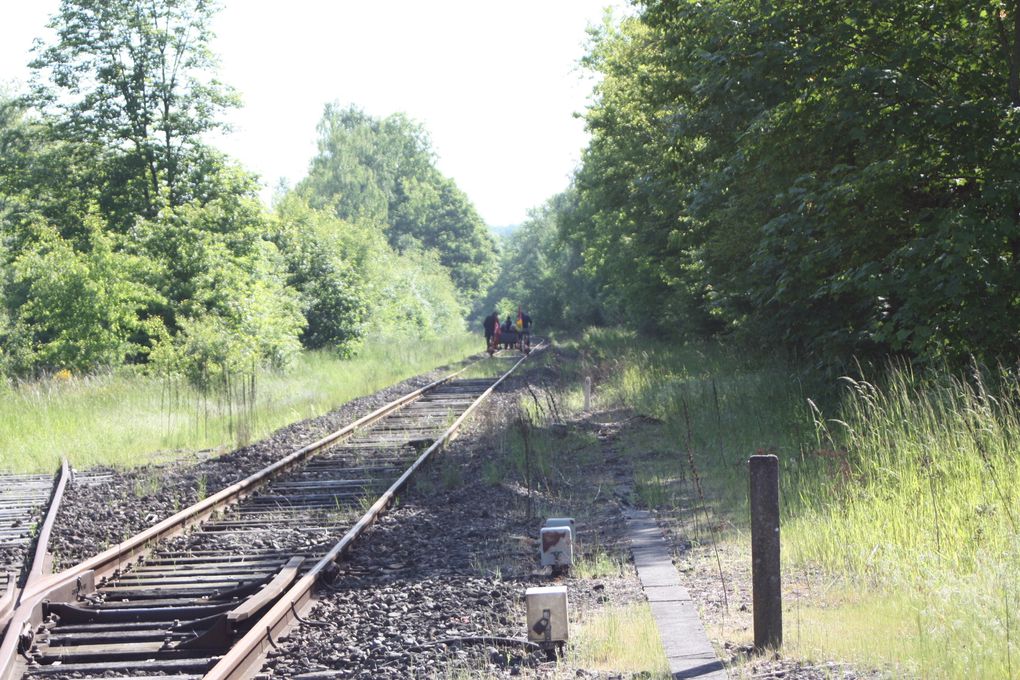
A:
837	178
544	273
324	264
434	214
79	310
382	171
130	78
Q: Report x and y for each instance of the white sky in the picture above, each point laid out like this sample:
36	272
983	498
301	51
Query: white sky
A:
495	83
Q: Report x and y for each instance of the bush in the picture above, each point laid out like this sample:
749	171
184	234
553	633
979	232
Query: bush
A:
75	308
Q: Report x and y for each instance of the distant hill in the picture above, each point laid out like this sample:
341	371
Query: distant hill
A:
503	231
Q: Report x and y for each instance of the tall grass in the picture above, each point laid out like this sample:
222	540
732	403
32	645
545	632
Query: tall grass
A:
620	639
127	419
928	515
901	496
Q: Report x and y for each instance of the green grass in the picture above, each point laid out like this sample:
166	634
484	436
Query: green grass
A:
126	419
595	562
901	499
619	639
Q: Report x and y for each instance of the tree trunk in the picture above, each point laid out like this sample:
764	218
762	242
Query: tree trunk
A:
1014	62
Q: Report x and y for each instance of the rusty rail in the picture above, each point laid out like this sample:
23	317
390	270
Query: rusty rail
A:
82	578
245	658
40	562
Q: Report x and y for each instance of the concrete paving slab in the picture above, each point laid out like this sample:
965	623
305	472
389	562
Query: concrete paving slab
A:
688	650
670	593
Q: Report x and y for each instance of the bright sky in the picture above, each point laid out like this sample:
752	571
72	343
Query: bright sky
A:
496	83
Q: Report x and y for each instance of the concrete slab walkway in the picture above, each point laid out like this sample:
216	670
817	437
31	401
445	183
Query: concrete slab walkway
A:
687	647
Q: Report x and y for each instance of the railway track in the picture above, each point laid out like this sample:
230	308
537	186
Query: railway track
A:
204	594
28	509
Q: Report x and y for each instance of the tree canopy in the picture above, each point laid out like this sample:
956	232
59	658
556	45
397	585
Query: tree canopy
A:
835	178
126	239
383	171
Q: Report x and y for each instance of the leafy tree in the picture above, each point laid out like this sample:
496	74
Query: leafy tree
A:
130	79
327	266
632	185
414	297
436	215
362	161
382	171
214	268
836	178
544	273
79	309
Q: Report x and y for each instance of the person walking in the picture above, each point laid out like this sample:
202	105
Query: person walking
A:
524	321
490	324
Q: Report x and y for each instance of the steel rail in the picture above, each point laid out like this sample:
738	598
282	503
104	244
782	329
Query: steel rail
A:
82	577
245	658
40	561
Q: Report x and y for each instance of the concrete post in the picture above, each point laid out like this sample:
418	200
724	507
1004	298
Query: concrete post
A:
587	394
765	577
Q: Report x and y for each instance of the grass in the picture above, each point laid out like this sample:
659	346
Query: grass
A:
595	563
619	639
126	419
900	495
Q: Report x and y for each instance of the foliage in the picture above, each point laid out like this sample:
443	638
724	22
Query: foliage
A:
132	78
227	302
326	262
413	296
75	308
898	494
836	178
124	238
354	284
383	172
544	273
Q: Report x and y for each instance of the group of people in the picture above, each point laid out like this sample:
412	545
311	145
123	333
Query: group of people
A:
509	333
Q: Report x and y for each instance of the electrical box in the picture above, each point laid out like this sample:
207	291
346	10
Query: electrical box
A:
557	547
547	614
562	522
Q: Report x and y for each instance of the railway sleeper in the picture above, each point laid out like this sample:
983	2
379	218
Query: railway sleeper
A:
193	668
176	578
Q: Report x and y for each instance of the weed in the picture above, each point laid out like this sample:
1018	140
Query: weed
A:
148	485
126	418
619	639
597	563
492	473
899	494
451	474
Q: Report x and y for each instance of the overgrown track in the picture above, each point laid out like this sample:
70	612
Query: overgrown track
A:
171	605
27	502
